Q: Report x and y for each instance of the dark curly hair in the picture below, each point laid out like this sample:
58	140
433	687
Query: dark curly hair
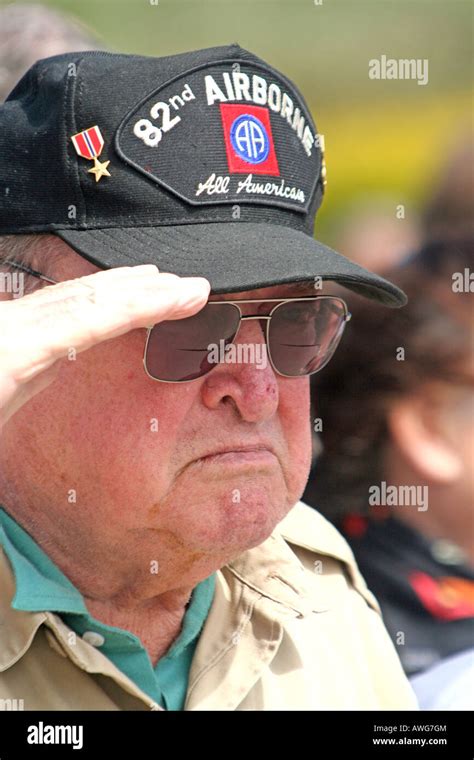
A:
385	355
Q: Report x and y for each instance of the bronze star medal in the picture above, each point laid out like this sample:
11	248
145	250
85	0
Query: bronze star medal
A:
89	144
99	169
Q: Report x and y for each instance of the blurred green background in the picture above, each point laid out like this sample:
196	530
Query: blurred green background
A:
383	138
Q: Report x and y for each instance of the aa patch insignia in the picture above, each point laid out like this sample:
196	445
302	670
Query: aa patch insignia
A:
248	139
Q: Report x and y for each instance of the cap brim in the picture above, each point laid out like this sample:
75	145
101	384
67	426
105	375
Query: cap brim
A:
233	256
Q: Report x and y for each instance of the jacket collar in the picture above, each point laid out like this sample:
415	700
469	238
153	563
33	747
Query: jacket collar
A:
274	569
257	595
17	628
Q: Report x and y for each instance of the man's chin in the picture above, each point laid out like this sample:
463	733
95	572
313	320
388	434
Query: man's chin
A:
241	519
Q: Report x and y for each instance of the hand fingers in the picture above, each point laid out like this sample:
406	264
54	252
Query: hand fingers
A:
80	313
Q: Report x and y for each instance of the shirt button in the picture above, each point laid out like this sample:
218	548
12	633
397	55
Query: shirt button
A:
93	638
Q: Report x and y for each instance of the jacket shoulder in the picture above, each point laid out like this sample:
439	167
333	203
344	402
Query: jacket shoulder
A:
304	528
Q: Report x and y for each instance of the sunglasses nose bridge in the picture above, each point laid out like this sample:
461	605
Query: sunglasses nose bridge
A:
258	317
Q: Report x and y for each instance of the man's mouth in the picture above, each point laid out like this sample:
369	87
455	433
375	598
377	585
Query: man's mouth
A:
248	455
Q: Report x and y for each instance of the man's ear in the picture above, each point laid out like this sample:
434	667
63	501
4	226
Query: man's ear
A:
416	428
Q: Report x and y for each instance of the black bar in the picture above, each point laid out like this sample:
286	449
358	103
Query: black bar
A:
320	734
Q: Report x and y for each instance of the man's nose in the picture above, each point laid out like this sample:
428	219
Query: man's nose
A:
246	378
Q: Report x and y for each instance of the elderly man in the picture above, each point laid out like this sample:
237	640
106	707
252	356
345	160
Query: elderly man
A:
155	552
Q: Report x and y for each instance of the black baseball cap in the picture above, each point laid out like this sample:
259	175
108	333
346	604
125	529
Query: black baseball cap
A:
205	163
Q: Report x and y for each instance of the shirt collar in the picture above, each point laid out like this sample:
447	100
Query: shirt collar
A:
272	569
40	584
36	585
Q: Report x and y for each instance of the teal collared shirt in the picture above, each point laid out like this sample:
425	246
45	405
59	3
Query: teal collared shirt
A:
42	587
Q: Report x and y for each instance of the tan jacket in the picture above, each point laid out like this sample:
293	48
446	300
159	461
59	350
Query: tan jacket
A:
292	626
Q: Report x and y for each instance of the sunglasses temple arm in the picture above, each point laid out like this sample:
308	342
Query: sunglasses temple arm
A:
33	272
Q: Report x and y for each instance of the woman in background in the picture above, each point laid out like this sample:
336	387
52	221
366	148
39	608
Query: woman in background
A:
396	469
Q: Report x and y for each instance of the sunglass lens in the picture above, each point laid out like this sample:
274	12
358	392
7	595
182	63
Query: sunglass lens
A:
303	335
178	350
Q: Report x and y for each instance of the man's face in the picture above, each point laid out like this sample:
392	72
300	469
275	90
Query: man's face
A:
121	456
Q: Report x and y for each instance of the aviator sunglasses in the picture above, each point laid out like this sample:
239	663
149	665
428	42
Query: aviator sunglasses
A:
301	335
